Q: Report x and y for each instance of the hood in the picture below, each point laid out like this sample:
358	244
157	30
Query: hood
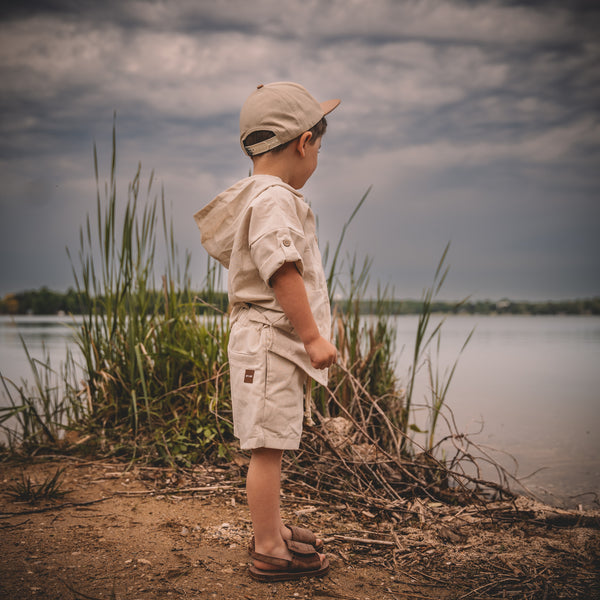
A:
220	220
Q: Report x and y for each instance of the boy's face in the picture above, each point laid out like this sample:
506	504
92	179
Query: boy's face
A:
307	165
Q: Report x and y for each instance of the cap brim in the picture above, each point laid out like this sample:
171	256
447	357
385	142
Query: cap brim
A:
329	105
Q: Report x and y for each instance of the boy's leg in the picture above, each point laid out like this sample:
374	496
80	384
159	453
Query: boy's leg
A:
262	487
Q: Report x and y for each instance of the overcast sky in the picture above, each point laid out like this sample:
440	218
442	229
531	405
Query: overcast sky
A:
476	123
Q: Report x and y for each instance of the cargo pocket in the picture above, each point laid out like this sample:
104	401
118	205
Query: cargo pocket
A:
247	353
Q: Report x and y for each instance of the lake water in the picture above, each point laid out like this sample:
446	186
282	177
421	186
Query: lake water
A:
531	387
528	386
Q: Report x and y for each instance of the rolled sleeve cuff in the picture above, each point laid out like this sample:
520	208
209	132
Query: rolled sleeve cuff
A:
269	257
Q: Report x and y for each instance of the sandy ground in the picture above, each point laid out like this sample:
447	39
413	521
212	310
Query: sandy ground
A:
147	534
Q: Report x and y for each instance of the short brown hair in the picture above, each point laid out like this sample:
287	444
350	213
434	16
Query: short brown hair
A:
255	137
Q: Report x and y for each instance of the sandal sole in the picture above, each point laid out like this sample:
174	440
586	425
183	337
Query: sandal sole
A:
261	575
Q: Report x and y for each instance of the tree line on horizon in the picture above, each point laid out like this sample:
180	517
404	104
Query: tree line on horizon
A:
48	302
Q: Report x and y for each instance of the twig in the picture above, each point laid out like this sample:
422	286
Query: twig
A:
208	488
78	593
13	526
479	589
357	540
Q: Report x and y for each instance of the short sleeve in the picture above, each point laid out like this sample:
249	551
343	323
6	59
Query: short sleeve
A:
275	234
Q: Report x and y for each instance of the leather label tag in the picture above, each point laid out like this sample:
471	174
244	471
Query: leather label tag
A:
249	376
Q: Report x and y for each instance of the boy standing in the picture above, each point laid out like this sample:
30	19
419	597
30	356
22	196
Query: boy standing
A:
262	230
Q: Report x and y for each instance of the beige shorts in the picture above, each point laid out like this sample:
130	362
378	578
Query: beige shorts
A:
266	389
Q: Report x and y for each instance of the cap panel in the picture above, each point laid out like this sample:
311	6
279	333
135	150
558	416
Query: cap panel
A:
285	108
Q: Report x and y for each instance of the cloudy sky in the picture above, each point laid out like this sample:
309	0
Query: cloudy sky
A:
476	123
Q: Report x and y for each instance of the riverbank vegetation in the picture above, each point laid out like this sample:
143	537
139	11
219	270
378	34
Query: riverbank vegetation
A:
153	383
44	301
145	420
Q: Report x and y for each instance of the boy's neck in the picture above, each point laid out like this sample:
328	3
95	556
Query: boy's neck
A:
280	164
294	164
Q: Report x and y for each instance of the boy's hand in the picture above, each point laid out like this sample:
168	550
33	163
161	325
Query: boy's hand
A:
322	353
291	294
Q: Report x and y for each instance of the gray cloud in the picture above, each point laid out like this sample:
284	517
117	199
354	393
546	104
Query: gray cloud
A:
475	121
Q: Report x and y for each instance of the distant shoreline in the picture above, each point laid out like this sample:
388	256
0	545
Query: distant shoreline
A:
585	306
47	302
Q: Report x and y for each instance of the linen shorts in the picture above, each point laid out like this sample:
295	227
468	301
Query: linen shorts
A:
266	389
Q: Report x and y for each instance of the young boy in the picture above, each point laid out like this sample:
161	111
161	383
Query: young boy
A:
262	230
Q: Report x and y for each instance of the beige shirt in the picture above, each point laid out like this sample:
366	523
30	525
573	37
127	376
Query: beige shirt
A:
252	229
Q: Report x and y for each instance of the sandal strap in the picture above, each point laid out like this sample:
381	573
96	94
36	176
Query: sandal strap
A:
304	557
270	560
300	548
301	534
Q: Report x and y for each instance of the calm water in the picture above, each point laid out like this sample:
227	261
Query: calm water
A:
43	336
531	387
528	386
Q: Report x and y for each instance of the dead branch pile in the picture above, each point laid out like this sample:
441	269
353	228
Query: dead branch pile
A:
440	524
361	458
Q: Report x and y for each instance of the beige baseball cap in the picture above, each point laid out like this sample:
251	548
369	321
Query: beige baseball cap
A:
284	108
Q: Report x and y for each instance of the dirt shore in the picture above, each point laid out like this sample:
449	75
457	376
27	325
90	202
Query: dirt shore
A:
143	533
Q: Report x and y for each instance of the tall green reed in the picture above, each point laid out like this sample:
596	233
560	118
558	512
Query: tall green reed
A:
154	365
367	350
426	335
365	343
439	383
40	409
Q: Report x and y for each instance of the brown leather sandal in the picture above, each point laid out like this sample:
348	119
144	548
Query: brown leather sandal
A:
305	536
305	563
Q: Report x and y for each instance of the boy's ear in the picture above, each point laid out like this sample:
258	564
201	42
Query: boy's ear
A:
302	141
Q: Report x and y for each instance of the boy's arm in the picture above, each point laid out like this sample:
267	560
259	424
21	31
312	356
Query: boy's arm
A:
291	294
